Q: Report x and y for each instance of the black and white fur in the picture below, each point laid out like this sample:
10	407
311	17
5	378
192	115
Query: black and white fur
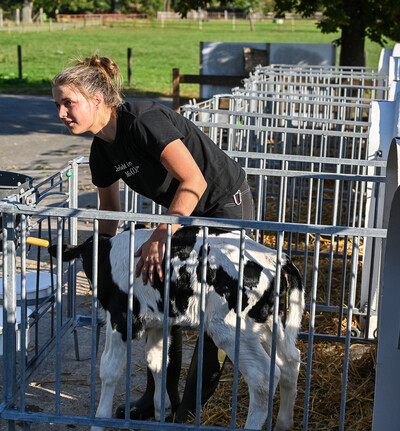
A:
220	315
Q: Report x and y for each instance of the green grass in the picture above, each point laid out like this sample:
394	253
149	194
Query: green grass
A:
156	50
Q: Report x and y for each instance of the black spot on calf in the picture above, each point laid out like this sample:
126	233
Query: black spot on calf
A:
262	309
251	274
183	241
227	286
182	290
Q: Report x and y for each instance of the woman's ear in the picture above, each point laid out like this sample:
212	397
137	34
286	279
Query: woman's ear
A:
98	99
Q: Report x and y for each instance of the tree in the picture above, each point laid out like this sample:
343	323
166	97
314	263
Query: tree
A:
116	6
151	7
53	7
355	19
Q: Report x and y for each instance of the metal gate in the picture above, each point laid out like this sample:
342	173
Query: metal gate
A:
312	179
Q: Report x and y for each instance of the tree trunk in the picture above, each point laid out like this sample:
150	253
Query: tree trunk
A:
27	11
251	19
117	6
352	51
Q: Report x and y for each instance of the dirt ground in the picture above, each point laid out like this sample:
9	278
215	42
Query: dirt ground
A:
34	142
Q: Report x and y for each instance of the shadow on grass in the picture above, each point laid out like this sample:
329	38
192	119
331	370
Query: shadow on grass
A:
43	88
23	86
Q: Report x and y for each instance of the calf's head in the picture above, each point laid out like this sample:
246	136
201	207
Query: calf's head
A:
83	251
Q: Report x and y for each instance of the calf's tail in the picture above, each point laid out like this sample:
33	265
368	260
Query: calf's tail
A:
294	284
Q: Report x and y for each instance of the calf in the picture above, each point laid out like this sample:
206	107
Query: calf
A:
184	310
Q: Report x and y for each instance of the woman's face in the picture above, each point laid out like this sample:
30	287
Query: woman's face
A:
75	111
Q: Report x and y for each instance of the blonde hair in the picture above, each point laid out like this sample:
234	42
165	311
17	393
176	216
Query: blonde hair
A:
91	75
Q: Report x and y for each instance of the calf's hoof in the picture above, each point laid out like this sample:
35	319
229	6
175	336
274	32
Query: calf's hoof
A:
282	428
184	414
138	410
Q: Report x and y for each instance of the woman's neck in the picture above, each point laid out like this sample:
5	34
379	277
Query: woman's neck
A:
108	127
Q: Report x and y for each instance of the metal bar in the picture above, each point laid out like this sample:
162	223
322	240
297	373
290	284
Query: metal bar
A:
201	327
306	131
73	182
105	422
352	295
9	307
129	318
24	317
311	331
58	316
95	285
282	97
240	288
167	284
195	221
276	316
37	295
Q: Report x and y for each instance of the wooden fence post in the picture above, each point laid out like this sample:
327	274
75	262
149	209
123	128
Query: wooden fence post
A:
175	90
129	66
19	62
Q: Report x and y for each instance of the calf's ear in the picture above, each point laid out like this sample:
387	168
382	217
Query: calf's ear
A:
69	252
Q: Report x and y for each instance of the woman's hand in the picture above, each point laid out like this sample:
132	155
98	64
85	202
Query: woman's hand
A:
151	255
178	161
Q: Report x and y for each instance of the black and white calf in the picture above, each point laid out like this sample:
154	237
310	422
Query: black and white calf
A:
220	315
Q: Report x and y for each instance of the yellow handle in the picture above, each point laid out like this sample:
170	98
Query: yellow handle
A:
37	241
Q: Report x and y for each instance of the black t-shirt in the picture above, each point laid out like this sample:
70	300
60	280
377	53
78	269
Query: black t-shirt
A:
144	129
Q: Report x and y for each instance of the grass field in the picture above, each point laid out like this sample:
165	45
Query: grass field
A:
156	50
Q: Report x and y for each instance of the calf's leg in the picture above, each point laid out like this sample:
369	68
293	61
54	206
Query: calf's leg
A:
143	408
112	363
154	353
254	365
212	371
288	391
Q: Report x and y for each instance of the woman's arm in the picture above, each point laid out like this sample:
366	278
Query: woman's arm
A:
178	161
109	201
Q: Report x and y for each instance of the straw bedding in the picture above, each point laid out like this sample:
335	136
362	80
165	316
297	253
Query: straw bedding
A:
325	391
324	402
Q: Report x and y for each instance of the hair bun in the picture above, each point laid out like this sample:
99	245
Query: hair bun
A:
109	66
104	63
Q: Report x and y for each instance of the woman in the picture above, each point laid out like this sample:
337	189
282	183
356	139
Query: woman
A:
165	157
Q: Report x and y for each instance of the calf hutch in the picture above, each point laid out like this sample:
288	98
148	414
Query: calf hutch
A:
300	296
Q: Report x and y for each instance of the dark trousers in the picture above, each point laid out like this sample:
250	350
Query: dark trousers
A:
240	206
